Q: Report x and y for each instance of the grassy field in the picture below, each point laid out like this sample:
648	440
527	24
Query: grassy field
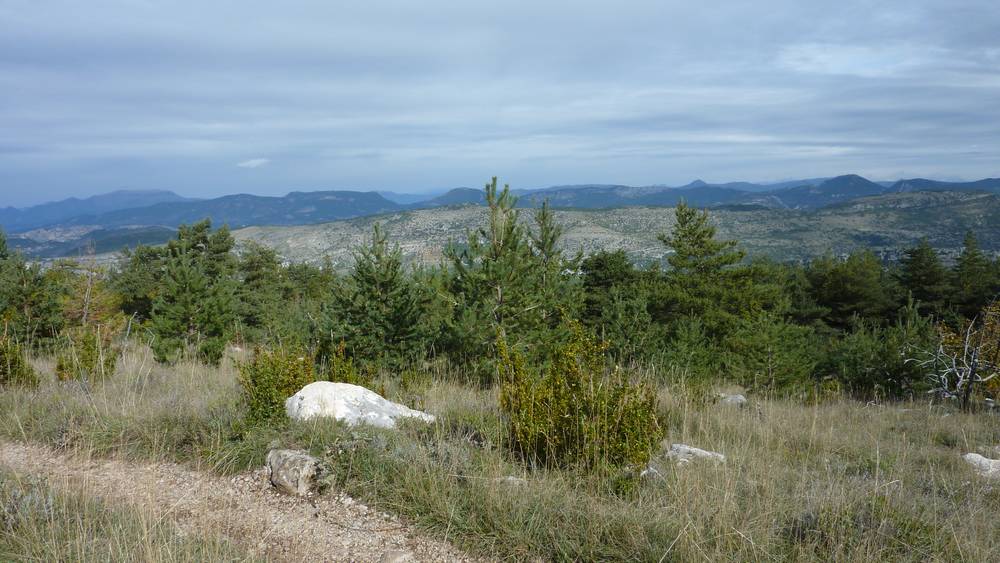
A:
834	480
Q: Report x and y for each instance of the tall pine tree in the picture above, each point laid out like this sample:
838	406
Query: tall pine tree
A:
706	278
974	281
508	280
926	278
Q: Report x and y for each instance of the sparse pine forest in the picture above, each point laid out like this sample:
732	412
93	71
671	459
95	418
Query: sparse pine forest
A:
559	383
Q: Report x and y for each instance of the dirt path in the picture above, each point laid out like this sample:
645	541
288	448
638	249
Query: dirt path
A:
245	509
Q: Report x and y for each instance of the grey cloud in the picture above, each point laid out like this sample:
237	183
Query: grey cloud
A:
409	96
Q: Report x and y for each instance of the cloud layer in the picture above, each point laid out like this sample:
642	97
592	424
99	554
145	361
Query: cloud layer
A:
413	96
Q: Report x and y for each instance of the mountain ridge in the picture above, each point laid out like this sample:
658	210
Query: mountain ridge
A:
68	223
50	213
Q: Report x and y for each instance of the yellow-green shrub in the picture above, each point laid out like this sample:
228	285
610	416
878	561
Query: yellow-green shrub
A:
577	412
14	368
91	354
271	377
341	369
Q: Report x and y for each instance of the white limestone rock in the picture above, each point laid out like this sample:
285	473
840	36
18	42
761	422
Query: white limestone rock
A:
986	467
684	454
352	404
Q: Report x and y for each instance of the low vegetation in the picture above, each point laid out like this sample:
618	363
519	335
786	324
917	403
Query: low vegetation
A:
575	413
14	367
808	481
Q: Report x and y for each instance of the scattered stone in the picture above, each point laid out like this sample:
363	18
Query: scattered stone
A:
650	473
396	556
293	472
352	404
737	400
683	454
986	467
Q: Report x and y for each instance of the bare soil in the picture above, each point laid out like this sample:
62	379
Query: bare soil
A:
244	509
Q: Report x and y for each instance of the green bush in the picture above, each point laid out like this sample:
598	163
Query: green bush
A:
576	412
14	368
340	368
90	354
766	353
874	361
689	350
270	378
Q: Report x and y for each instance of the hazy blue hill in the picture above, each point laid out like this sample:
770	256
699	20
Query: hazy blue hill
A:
608	196
583	196
457	196
829	192
17	220
706	196
296	208
772	186
46	231
406	199
922	184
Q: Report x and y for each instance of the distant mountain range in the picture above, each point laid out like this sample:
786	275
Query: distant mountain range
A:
126	218
47	214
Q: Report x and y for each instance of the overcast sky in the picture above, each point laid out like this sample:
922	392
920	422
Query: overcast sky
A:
208	98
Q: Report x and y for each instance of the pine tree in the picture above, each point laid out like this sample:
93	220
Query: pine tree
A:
510	281
191	312
260	289
491	280
696	252
974	281
378	314
30	301
856	287
220	261
559	294
603	272
706	278
137	280
926	278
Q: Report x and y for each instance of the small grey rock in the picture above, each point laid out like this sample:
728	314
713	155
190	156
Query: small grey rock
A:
293	472
732	400
650	473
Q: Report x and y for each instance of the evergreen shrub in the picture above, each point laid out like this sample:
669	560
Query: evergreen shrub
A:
271	377
577	412
14	367
90	354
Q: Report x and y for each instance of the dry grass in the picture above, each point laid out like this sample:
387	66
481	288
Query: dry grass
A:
42	521
835	480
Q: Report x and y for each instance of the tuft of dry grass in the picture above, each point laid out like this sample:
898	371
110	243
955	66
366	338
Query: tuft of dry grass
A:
830	480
